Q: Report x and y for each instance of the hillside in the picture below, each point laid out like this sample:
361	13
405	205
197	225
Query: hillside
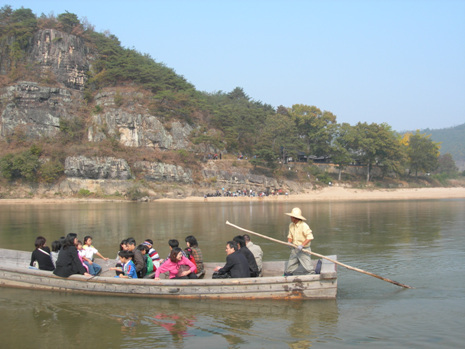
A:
81	115
452	141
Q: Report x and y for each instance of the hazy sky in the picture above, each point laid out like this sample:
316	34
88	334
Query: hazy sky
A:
399	62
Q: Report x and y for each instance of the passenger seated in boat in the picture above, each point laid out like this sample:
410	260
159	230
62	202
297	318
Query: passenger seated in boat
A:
153	254
68	262
128	269
173	243
177	265
193	245
40	257
256	251
56	246
89	252
253	268
144	249
236	264
123	246
81	255
138	259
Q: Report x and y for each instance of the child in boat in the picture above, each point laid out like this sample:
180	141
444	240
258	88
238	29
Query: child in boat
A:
177	265
81	254
153	254
193	248
129	269
90	251
56	246
173	243
41	255
144	249
123	246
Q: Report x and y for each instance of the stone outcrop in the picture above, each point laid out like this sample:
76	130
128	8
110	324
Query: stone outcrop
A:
97	168
133	126
160	172
36	109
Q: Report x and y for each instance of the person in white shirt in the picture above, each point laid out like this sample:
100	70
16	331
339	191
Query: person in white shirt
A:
89	252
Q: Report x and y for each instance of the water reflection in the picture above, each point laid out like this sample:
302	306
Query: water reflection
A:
148	323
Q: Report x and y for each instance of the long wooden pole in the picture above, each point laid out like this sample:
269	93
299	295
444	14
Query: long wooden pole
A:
320	256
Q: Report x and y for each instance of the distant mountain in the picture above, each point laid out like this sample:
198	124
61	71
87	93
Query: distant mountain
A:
452	141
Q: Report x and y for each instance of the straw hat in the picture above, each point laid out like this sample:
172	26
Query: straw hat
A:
296	213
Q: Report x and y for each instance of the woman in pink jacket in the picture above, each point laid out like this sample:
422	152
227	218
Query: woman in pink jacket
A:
179	266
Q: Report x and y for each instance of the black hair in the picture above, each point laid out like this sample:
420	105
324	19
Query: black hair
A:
174	253
149	241
246	237
173	243
123	242
40	242
126	254
239	239
143	247
232	244
192	241
56	245
87	237
69	240
131	241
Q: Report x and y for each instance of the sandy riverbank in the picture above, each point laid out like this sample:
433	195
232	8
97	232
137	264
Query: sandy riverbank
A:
325	194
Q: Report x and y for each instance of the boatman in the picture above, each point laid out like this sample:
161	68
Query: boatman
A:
301	235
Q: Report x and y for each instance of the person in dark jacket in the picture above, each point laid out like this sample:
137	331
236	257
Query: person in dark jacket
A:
138	259
42	255
236	264
253	268
68	262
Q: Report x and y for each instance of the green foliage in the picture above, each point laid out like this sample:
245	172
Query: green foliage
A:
22	165
83	193
315	127
116	65
20	25
67	21
422	153
446	164
51	171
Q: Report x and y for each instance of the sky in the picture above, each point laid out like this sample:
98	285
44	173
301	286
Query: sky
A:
379	61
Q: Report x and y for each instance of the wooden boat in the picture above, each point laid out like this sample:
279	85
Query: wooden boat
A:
15	272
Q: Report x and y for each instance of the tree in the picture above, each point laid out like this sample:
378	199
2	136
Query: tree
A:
340	154
422	153
67	21
315	127
446	164
377	145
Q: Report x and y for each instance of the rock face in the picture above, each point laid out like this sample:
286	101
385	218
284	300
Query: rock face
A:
160	172
65	55
97	168
133	126
36	109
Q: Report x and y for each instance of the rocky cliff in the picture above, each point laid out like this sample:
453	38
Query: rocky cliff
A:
61	64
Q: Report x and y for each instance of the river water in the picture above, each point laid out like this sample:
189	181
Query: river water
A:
419	243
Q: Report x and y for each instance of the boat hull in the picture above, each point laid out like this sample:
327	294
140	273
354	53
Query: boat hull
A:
16	273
